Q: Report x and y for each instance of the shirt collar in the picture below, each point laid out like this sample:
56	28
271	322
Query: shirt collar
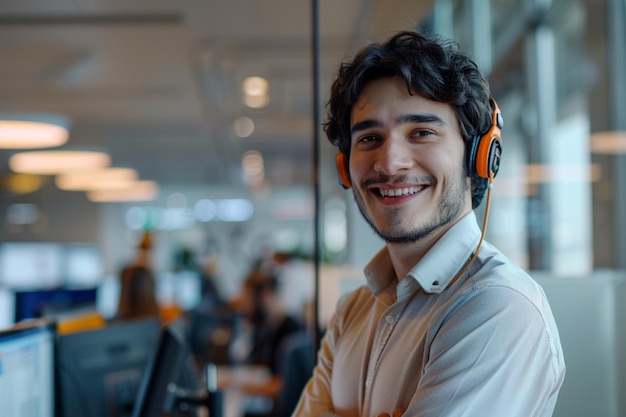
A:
448	255
440	264
379	272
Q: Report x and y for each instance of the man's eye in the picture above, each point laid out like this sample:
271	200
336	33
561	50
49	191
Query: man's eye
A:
368	138
422	133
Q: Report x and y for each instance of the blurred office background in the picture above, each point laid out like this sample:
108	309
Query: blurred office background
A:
208	106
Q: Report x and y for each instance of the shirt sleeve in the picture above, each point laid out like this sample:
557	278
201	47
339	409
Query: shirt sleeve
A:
491	356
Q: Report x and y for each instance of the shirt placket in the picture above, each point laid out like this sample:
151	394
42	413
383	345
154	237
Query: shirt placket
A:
385	328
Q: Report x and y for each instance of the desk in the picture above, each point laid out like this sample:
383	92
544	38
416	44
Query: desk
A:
245	387
242	389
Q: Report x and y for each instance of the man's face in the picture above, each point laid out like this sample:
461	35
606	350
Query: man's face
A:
406	163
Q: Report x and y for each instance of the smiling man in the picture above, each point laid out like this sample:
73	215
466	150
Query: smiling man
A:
446	325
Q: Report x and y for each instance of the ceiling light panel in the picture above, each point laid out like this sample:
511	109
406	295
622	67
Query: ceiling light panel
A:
101	179
36	130
137	191
55	162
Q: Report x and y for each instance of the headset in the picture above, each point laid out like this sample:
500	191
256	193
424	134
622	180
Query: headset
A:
485	151
483	155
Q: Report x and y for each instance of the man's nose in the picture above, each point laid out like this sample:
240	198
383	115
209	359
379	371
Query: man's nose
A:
394	156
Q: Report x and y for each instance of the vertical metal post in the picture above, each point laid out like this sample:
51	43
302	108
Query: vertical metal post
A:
616	39
616	57
316	168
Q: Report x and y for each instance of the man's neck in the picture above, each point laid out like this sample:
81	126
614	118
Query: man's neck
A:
404	256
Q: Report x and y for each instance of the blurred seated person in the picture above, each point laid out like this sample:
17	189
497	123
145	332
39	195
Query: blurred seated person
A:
297	360
137	294
260	306
212	323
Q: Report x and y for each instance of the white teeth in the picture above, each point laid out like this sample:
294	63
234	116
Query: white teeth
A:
397	192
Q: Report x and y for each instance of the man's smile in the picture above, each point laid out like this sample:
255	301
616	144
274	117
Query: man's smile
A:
399	192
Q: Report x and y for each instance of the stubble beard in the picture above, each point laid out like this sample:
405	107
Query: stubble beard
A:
450	205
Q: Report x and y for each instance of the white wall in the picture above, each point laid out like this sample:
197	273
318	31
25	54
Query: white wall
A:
589	315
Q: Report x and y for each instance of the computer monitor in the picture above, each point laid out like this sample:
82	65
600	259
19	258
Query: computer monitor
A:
163	369
7	308
99	370
27	378
28	265
171	385
83	265
45	303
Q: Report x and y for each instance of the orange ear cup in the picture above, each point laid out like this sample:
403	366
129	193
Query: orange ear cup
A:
490	147
342	170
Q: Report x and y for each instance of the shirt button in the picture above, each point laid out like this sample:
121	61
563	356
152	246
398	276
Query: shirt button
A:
390	319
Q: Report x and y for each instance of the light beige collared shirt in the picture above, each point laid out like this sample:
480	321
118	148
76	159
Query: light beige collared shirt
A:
486	346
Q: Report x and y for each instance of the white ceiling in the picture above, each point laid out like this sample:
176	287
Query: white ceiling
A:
157	83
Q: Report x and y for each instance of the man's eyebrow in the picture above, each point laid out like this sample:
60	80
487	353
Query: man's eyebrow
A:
420	118
405	118
365	124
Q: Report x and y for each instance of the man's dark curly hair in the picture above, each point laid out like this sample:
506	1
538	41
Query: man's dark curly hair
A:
431	66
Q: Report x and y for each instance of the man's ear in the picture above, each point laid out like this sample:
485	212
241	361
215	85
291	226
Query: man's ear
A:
343	170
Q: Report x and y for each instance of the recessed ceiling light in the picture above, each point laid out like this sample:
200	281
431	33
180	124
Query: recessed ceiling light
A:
255	86
21	183
257	102
32	130
55	162
22	213
252	164
243	126
256	92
